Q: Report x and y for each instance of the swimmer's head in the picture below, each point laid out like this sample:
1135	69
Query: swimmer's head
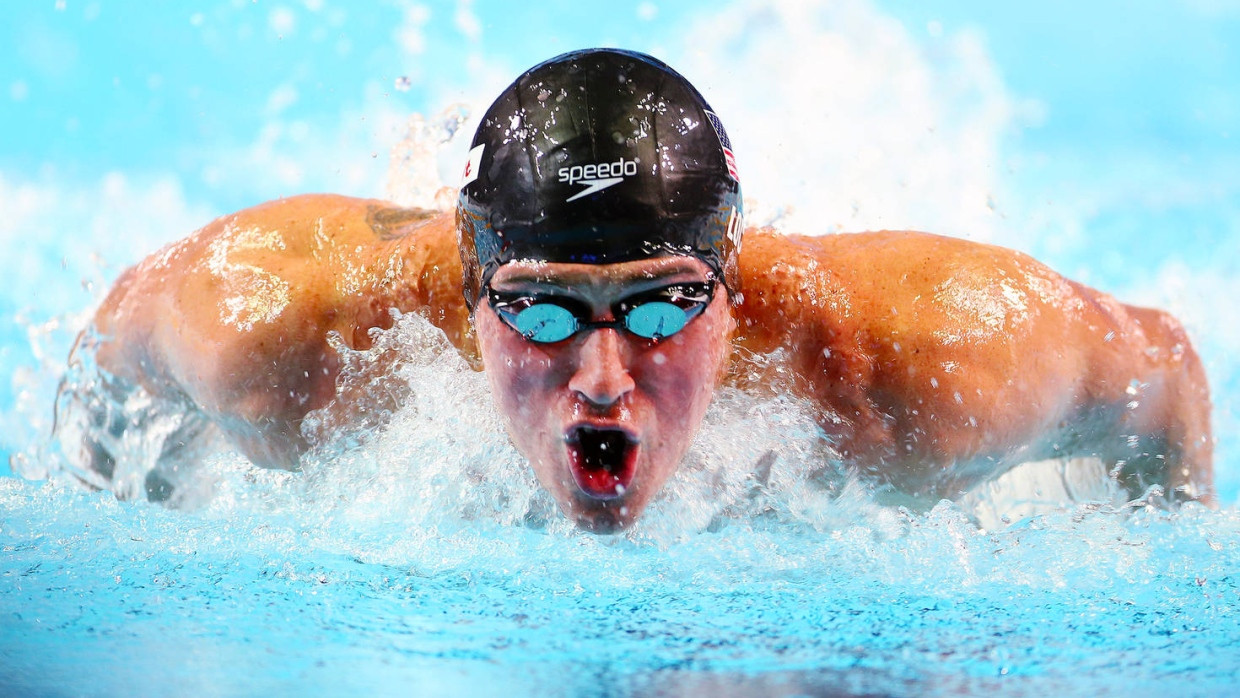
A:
594	157
599	222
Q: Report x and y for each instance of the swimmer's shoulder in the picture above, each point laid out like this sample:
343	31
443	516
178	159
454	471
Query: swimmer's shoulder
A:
320	245
284	270
889	262
794	268
891	283
317	225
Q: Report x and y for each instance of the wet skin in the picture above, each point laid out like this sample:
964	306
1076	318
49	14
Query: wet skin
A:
936	363
655	392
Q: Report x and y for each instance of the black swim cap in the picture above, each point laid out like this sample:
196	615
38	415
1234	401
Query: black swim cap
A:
598	156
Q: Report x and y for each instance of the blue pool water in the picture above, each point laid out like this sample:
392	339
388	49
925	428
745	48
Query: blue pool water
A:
421	557
1093	604
102	598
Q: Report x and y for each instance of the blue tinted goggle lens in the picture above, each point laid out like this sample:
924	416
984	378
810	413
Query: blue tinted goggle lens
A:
654	315
655	319
544	322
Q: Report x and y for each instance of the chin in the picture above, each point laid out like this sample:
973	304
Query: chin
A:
602	525
603	518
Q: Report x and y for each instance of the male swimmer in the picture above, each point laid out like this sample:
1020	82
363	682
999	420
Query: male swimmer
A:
597	239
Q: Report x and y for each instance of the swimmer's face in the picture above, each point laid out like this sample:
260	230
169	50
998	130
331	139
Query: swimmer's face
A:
604	416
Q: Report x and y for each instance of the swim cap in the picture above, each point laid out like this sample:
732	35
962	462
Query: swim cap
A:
598	156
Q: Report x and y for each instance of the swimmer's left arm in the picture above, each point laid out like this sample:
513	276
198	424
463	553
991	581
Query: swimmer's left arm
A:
940	362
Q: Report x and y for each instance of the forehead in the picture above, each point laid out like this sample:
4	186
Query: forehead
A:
639	272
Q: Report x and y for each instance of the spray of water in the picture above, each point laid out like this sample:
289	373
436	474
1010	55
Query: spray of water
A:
413	430
418	160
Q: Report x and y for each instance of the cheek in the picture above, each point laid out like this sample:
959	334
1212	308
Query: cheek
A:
676	375
520	375
682	373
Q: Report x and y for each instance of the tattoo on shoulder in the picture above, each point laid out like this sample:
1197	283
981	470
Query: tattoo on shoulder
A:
391	222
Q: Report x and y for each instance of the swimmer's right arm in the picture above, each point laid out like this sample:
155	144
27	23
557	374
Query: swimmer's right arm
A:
234	319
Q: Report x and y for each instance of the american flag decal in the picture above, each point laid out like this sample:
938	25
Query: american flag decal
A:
728	158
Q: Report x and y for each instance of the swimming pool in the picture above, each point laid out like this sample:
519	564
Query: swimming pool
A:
422	558
103	598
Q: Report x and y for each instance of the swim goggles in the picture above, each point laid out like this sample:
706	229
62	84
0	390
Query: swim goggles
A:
546	317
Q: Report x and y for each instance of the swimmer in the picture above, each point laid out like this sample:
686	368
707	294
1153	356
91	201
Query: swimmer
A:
606	294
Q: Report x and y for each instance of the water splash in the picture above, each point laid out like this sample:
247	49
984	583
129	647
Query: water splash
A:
414	170
413	428
29	425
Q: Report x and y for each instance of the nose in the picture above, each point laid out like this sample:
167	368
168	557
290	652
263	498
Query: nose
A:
601	377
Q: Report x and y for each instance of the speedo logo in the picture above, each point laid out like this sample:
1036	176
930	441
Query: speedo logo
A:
597	176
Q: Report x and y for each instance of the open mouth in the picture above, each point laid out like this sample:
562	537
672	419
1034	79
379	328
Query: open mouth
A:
602	459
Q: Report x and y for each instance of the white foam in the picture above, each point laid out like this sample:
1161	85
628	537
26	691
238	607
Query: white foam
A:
865	126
